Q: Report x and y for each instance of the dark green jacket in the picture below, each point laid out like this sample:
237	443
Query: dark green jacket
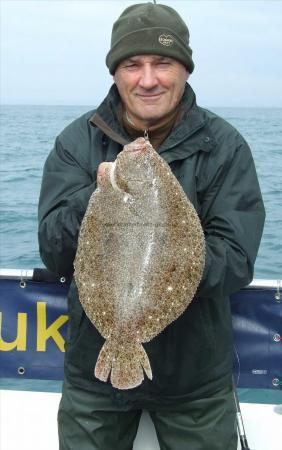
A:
213	163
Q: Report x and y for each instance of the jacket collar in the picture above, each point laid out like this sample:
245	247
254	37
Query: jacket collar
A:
192	121
106	119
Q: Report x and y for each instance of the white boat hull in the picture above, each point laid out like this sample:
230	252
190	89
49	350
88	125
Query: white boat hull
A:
28	422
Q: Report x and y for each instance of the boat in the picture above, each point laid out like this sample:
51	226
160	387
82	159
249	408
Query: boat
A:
33	326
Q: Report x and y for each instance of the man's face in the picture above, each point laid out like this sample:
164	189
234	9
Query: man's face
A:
150	87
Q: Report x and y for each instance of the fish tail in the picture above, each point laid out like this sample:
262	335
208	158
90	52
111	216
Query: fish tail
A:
126	362
104	362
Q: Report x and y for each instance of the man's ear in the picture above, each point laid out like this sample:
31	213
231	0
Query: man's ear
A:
187	74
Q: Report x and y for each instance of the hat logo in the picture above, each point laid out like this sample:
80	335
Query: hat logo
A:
166	40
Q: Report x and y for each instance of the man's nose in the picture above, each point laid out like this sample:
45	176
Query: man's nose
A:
148	78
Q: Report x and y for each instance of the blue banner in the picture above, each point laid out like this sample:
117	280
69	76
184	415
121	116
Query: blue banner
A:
257	324
33	326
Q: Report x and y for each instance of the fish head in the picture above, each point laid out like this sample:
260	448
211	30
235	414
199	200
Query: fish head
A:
135	166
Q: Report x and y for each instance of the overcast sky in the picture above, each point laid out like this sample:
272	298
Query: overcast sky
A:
53	51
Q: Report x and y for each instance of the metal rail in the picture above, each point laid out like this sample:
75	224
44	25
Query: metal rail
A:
28	274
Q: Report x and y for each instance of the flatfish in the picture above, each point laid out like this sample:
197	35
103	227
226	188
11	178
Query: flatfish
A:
139	260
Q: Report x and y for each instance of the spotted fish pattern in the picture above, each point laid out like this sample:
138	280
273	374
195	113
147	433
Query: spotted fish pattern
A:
139	260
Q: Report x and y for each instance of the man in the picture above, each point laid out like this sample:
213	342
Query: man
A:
190	397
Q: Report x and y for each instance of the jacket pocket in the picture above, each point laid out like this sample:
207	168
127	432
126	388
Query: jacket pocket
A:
186	349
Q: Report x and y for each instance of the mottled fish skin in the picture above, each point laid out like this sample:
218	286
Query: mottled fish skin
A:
139	260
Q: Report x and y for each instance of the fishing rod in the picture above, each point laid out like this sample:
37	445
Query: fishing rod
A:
240	423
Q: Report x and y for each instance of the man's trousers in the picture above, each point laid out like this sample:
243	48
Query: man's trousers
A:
91	421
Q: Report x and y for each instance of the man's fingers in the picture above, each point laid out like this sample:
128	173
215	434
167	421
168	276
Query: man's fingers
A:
101	171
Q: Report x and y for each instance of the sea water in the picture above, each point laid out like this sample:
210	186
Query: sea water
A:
28	134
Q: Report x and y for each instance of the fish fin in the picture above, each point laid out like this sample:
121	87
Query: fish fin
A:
125	361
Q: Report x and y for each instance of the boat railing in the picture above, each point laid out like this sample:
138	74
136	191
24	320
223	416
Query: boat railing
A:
34	322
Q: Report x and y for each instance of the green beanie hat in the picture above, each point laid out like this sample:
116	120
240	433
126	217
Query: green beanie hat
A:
148	28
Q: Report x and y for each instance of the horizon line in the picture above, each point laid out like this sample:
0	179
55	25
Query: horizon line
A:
91	106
